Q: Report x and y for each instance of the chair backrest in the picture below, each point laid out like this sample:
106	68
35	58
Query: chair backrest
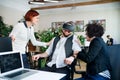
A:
5	44
114	54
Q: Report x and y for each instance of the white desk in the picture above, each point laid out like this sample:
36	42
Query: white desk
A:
43	75
39	75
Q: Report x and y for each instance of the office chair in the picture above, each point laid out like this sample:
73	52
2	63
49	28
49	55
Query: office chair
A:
77	63
82	72
72	69
114	55
5	44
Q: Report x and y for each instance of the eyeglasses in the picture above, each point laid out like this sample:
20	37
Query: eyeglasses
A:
66	30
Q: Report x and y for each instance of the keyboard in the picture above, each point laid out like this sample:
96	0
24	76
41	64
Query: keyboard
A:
16	73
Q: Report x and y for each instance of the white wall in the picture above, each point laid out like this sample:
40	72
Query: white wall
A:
112	16
10	15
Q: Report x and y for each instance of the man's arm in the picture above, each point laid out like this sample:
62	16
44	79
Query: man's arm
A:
70	59
42	55
45	54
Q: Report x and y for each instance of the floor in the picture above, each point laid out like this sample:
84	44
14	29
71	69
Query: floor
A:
82	67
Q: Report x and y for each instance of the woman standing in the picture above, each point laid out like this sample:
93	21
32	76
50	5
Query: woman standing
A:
23	32
97	60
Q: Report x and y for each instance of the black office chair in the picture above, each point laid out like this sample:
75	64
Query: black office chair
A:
82	72
72	69
114	55
5	44
77	63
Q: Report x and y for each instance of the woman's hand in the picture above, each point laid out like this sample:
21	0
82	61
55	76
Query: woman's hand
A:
12	37
48	43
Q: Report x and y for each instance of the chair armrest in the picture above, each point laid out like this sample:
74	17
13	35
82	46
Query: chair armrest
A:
72	69
82	72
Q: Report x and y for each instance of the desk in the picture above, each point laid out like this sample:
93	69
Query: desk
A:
38	75
43	75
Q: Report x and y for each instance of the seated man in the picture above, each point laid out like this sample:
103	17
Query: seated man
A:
61	48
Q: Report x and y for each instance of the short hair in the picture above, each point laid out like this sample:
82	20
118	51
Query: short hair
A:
108	36
94	30
30	14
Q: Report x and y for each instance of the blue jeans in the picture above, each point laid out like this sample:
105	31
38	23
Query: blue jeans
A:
25	61
91	77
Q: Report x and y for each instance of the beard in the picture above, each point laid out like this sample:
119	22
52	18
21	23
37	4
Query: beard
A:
64	34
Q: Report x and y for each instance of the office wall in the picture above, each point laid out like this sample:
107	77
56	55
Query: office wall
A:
11	16
112	16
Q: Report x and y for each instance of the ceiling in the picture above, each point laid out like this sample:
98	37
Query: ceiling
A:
62	5
70	3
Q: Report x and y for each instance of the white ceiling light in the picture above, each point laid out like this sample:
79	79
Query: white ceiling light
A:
36	3
51	0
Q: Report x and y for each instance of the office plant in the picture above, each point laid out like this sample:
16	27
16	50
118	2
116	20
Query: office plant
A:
46	36
4	28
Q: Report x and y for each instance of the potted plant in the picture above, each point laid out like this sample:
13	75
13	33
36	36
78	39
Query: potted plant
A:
46	36
82	39
4	28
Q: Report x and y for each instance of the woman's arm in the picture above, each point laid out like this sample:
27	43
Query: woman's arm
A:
35	42
94	50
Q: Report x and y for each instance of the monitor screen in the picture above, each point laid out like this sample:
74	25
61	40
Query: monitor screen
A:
10	62
5	44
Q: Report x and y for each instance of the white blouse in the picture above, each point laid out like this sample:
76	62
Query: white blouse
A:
22	35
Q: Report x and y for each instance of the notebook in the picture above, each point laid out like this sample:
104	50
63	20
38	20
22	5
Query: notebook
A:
11	66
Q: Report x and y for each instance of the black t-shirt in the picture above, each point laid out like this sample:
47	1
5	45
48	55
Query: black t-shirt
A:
110	42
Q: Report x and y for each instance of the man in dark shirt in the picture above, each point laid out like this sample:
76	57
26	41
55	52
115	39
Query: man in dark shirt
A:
109	41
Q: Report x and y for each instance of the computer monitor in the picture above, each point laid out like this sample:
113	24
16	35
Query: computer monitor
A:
5	44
